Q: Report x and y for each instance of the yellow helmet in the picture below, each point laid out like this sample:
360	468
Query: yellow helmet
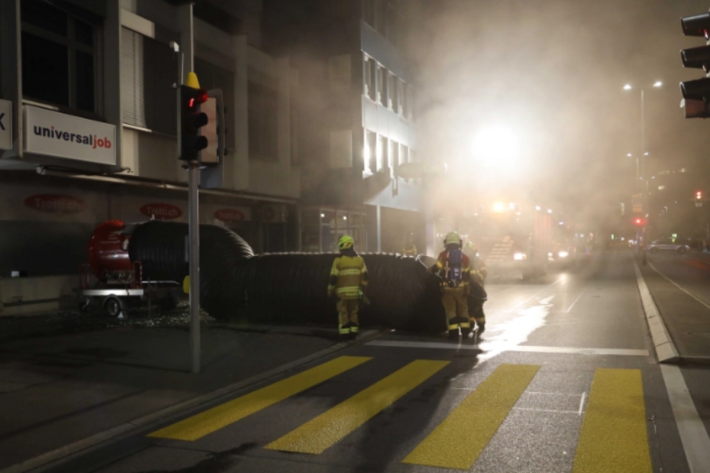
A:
452	238
472	246
345	242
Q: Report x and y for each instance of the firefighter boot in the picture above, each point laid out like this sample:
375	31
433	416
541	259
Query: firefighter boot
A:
481	328
465	333
354	328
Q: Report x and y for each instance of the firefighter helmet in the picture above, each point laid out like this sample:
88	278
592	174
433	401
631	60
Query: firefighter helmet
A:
472	246
452	238
345	242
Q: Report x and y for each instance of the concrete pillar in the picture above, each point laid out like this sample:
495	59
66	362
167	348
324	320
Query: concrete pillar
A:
11	70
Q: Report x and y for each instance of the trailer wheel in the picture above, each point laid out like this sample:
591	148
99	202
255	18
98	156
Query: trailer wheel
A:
113	306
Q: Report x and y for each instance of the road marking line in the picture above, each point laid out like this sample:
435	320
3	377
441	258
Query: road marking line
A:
543	410
333	425
693	435
197	426
516	348
614	435
458	441
666	350
581	403
575	301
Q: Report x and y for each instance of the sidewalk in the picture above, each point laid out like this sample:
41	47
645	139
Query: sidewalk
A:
686	318
61	389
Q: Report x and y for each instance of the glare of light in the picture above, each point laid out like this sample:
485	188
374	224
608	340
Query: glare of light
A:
519	256
345	217
549	211
511	205
629	155
562	223
627	87
498	207
322	215
563	254
537	207
660	188
646	153
622	238
658	83
496	146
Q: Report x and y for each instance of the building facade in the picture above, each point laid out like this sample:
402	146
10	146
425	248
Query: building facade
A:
88	131
357	120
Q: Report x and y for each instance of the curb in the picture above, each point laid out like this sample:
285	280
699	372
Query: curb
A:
63	453
666	351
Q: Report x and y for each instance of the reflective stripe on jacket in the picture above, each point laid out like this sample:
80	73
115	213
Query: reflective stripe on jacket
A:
348	277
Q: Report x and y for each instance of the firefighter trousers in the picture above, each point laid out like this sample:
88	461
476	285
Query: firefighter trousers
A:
477	296
456	307
347	315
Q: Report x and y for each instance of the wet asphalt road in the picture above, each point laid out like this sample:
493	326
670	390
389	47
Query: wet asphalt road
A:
564	380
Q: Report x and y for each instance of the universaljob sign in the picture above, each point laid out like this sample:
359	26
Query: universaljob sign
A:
66	136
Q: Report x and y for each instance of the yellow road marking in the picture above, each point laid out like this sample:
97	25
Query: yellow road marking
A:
199	425
461	437
614	436
333	425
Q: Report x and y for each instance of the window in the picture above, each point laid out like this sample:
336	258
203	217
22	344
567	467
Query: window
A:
382	152
369	77
380	16
393	93
403	154
402	91
59	56
410	103
370	154
368	12
382	85
394	156
263	97
148	71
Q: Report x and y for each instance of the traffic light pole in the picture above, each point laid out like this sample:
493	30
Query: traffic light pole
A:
193	169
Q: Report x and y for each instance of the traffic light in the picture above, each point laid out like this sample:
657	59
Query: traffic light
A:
192	119
639	222
696	93
699	195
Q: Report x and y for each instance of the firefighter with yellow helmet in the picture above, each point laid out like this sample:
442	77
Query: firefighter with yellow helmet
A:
348	282
477	295
409	248
453	267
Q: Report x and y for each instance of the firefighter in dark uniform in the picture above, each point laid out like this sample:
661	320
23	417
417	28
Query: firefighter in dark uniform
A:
477	295
348	282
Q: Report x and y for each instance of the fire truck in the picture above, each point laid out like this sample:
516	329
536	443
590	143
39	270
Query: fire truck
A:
514	238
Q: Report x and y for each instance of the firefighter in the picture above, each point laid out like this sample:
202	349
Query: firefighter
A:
453	268
348	282
409	249
476	291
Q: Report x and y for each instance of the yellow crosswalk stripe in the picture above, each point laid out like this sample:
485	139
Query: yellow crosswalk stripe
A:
333	425
461	437
199	425
614	435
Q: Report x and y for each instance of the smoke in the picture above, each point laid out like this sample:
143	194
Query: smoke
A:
553	72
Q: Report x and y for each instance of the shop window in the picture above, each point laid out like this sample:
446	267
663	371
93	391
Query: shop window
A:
59	56
263	99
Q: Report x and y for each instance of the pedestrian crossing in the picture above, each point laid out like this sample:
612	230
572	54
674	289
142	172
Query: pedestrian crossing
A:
613	435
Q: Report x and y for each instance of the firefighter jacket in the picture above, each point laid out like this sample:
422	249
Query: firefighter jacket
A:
348	277
442	265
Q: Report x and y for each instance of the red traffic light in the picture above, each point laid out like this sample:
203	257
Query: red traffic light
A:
640	222
699	195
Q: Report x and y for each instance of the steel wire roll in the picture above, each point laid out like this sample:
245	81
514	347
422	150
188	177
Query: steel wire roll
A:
285	287
291	287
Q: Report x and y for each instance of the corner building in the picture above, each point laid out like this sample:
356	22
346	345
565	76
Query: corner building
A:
357	120
88	131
